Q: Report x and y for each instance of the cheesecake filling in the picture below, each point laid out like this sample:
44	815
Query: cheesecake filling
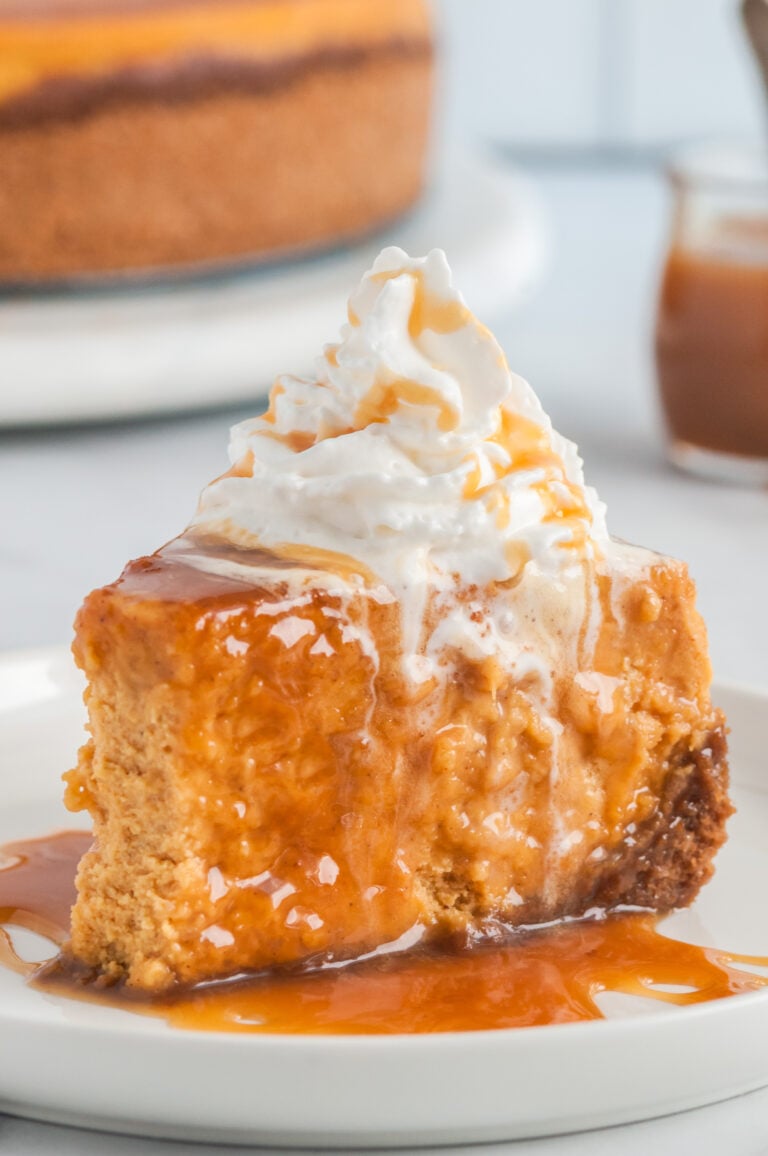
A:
53	42
414	465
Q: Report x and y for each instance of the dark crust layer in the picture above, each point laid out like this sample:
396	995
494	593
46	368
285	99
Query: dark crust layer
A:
156	185
186	78
673	855
659	866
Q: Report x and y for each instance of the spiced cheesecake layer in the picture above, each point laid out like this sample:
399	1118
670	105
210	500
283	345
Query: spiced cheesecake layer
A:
135	138
268	789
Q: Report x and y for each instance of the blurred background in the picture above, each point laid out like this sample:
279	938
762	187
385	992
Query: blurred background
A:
599	78
553	125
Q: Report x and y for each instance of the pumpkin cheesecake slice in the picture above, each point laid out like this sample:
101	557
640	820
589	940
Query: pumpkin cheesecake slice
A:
394	685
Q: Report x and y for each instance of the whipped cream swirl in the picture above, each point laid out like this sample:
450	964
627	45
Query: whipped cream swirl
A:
415	451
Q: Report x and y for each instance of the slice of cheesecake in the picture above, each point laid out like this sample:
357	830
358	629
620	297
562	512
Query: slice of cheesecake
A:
394	685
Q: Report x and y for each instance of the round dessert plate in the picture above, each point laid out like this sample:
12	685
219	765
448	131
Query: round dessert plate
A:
99	1067
131	349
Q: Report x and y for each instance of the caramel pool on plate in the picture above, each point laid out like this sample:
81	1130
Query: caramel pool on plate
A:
547	976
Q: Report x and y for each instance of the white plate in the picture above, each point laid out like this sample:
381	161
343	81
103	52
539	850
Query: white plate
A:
99	1067
143	349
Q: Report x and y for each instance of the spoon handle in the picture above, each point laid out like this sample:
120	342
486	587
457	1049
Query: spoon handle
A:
755	16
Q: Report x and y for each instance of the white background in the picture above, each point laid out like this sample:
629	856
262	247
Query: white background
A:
600	73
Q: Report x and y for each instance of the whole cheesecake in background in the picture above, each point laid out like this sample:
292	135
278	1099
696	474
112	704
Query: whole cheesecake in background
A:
395	684
141	134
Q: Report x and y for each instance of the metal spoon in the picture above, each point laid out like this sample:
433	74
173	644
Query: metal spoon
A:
755	16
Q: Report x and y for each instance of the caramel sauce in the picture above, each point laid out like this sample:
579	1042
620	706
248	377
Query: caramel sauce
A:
295	440
547	976
439	316
243	468
712	346
316	558
286	556
276	391
427	311
94	40
386	397
37	888
528	447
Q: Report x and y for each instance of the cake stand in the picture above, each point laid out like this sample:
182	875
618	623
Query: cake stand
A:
132	348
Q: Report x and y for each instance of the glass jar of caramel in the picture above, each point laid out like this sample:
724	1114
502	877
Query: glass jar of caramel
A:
712	331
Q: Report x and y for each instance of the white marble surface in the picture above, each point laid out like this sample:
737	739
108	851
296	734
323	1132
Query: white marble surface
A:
77	504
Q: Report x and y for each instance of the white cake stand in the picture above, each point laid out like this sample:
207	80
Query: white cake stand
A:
133	349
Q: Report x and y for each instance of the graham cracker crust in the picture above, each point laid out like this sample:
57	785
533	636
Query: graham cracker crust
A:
673	854
230	172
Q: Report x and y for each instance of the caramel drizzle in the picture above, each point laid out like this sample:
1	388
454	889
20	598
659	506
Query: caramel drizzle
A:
37	890
441	317
527	447
243	468
386	397
546	976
